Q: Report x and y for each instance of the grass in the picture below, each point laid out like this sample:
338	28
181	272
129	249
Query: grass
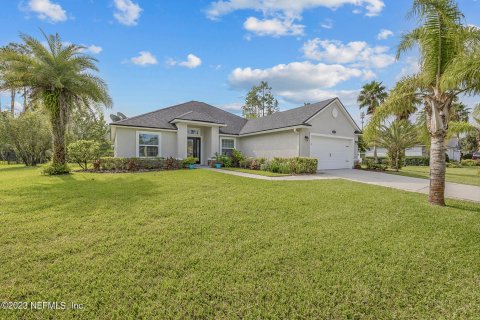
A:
202	244
257	172
465	175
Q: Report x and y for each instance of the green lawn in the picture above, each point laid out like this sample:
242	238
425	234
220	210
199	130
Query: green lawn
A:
203	244
466	175
257	172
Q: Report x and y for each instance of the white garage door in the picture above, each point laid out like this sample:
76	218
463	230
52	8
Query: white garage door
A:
332	153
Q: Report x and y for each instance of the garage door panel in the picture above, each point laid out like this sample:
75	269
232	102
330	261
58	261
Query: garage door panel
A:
332	153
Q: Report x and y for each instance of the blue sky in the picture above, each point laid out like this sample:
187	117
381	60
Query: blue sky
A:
154	54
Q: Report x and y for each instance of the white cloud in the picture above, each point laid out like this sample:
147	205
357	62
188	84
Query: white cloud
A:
411	67
93	49
348	97
273	27
384	34
192	62
289	8
295	76
144	58
327	24
127	12
47	10
235	107
356	53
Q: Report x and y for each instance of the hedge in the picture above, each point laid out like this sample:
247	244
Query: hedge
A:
111	164
252	163
470	162
372	165
417	161
408	161
296	165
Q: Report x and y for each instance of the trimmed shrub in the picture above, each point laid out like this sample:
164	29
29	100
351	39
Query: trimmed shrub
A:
417	161
296	165
136	164
380	160
371	165
453	164
55	169
470	163
252	163
83	151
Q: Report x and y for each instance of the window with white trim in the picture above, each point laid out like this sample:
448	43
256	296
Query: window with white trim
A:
193	132
227	146
148	145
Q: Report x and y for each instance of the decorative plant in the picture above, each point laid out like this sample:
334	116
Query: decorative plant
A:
189	161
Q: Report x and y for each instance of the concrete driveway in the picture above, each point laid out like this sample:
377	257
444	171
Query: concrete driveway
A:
452	190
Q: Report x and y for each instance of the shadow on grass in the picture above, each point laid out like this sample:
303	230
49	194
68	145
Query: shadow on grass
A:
75	193
17	167
464	205
408	174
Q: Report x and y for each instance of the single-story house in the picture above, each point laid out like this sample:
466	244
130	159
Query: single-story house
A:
415	151
452	149
323	130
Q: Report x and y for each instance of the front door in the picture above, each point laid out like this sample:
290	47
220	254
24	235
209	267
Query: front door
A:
194	148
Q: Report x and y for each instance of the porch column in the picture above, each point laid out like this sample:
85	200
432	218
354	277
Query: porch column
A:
181	140
215	141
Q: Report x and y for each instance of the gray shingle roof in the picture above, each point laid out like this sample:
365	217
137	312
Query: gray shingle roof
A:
192	110
288	118
198	116
199	111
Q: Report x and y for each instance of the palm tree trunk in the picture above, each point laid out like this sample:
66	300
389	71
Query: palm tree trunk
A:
58	134
375	156
437	170
25	107
12	101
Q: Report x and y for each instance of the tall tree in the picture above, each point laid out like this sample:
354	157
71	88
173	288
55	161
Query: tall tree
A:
371	96
260	102
62	78
86	125
449	67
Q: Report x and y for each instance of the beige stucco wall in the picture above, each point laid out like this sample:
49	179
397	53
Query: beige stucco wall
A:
325	123
270	145
126	142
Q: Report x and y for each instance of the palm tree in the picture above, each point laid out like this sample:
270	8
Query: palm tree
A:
399	136
408	108
450	66
371	96
459	111
476	118
59	76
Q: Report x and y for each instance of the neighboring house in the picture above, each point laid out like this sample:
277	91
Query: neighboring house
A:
452	150
416	151
323	130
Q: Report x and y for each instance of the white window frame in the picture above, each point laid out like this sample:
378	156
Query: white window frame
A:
137	145
227	138
199	134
